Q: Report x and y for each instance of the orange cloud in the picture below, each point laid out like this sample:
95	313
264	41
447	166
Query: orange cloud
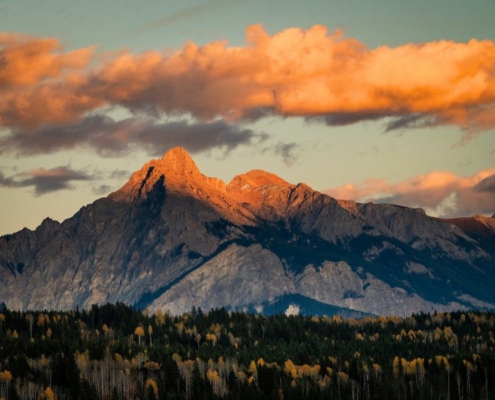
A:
40	84
27	60
439	193
308	73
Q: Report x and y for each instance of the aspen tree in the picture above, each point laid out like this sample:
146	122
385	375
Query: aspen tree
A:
49	395
5	378
139	332
159	317
211	337
151	387
253	370
30	319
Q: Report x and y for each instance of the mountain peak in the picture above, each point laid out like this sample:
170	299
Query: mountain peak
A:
255	179
178	161
178	170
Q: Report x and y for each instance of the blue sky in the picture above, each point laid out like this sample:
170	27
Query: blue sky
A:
437	159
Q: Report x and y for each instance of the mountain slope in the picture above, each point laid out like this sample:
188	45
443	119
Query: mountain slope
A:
172	238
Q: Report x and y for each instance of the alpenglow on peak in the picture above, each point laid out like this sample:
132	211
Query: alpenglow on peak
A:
179	161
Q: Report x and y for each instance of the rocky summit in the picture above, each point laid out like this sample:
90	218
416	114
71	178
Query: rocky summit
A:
172	238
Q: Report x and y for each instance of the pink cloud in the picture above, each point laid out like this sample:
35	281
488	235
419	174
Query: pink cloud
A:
439	193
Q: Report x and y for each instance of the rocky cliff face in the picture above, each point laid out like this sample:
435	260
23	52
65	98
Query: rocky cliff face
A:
172	238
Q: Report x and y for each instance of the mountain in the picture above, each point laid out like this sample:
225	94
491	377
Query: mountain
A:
172	238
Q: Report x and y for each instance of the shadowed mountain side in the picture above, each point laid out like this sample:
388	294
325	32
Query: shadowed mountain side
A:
172	238
479	228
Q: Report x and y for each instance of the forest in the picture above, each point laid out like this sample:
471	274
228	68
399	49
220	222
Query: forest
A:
118	352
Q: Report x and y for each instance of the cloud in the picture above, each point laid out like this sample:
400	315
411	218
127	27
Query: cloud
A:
412	121
306	73
341	119
439	193
486	185
185	14
26	61
102	190
45	180
287	152
120	174
112	138
196	137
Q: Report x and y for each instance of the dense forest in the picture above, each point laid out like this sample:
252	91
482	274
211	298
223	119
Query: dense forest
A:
118	352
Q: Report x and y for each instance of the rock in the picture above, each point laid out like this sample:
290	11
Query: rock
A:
172	238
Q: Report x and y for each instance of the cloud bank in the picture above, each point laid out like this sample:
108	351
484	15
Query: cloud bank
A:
307	73
439	193
45	180
111	138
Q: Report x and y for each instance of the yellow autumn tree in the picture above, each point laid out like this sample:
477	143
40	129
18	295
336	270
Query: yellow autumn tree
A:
290	369
5	376
253	370
41	319
150	332
212	338
139	332
160	318
151	383
48	394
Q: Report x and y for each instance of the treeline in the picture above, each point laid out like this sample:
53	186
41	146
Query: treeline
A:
117	352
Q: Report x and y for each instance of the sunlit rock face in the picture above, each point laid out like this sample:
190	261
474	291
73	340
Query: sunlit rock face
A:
172	238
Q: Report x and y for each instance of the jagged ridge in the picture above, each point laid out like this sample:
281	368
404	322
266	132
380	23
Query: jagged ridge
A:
172	237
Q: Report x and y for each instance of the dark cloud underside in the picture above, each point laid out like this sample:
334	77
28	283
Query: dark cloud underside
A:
46	180
112	138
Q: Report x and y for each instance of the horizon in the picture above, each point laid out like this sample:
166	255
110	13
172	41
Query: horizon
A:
386	103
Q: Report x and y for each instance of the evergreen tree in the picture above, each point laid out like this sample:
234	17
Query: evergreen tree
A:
65	373
87	391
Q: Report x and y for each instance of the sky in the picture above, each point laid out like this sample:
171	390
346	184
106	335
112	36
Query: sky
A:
385	101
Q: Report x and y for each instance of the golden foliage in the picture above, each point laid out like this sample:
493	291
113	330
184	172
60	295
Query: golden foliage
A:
152	383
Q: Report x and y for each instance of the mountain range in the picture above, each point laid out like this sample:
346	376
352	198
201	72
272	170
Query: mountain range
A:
172	238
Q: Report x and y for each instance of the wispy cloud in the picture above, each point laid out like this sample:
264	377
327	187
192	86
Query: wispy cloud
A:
46	180
288	152
120	174
307	73
440	193
185	14
102	190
